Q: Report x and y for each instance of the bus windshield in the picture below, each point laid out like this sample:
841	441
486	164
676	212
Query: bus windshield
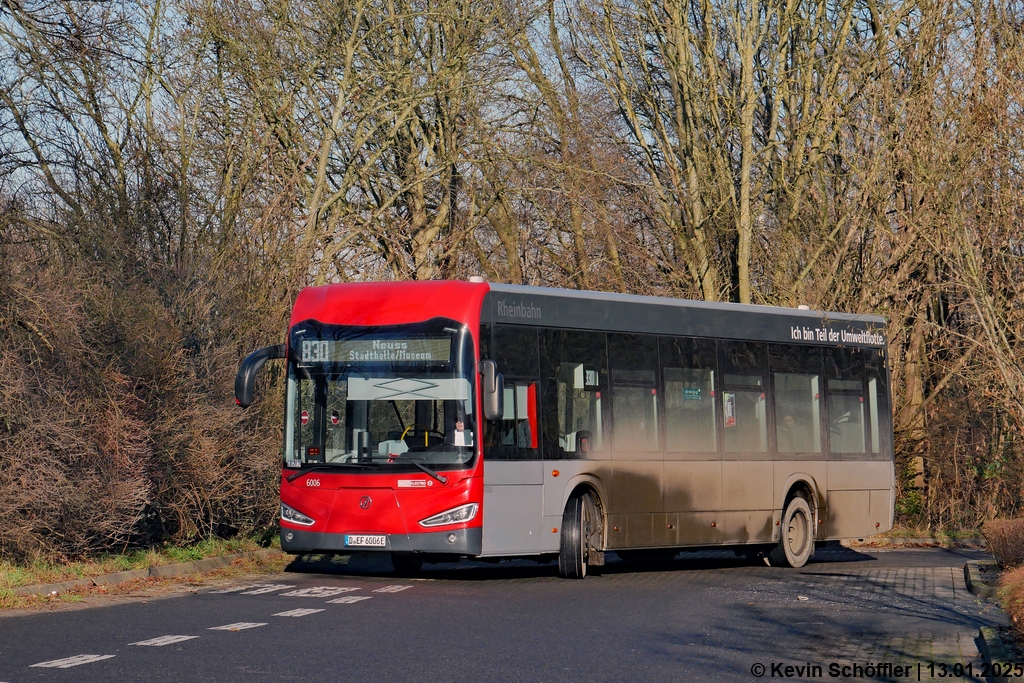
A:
383	397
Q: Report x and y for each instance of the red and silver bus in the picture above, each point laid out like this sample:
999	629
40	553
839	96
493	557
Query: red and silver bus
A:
442	420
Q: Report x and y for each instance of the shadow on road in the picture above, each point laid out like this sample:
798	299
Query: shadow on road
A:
379	564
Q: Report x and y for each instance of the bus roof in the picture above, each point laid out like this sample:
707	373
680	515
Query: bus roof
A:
549	307
391	303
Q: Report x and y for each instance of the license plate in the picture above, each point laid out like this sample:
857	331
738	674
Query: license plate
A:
366	540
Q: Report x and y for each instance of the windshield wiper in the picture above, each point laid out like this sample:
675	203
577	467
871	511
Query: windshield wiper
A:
432	473
314	468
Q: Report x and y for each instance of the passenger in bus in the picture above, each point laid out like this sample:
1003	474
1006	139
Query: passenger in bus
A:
788	438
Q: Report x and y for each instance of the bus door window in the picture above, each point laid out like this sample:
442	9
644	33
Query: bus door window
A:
336	437
514	350
306	399
634	362
744	404
844	368
688	373
796	383
518	426
576	376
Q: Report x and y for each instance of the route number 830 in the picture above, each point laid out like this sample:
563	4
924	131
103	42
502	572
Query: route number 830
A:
314	351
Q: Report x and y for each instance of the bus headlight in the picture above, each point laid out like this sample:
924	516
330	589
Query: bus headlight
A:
293	516
459	515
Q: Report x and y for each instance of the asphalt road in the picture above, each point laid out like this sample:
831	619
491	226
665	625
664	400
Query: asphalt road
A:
706	617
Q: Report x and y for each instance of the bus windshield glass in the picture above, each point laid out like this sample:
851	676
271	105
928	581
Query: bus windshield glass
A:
382	398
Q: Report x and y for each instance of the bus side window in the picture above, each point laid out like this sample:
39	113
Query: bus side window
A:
744	404
847	423
878	401
574	367
634	364
690	399
796	387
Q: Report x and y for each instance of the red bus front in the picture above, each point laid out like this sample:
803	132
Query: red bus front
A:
382	420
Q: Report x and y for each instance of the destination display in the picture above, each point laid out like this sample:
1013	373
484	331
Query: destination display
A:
436	350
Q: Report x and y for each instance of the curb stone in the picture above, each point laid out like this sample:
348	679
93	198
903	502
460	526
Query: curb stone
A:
975	584
994	652
162	571
118	577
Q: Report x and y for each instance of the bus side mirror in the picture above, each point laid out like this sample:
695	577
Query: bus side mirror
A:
493	391
245	380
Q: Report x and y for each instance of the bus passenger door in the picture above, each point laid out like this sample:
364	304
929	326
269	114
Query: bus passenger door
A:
513	476
748	469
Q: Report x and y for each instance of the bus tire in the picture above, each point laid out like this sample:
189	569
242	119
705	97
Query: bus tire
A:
577	526
407	565
796	541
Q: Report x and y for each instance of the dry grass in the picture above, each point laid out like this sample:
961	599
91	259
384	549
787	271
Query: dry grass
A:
98	595
899	531
1005	539
42	571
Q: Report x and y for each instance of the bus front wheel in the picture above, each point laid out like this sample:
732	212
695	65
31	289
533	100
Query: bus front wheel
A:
578	524
796	542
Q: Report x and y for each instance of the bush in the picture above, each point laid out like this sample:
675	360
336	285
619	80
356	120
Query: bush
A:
117	424
1005	539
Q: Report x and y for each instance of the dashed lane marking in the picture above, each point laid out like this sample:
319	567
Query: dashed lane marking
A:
348	599
242	587
319	591
269	588
298	612
69	662
237	626
164	640
396	588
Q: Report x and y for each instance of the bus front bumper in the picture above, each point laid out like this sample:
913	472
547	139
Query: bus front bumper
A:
456	542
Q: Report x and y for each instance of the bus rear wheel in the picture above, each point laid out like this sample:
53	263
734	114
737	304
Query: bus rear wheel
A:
796	542
578	524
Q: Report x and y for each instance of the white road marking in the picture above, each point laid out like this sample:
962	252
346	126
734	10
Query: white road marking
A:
319	592
396	588
69	662
269	588
241	587
164	640
298	612
238	626
348	599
